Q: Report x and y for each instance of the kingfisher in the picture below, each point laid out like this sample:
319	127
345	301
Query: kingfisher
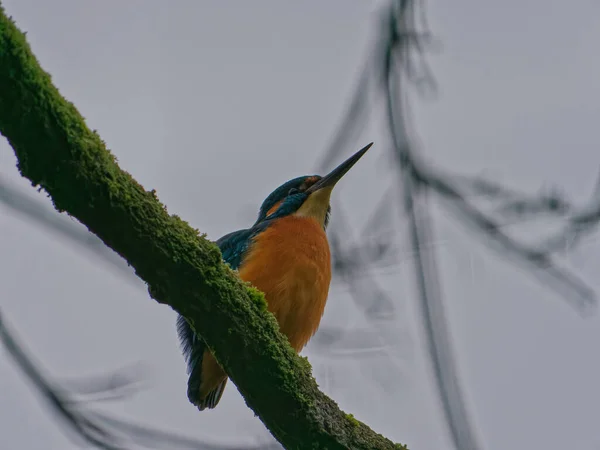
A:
285	254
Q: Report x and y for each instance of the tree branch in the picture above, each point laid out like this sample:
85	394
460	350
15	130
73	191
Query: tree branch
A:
57	152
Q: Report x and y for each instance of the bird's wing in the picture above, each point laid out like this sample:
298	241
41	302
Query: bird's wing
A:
233	246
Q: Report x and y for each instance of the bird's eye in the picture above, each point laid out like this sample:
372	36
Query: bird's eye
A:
293	191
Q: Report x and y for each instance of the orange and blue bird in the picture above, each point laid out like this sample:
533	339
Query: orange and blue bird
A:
285	254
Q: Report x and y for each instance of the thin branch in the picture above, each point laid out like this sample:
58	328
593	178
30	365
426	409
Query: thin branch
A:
92	432
96	428
398	60
431	306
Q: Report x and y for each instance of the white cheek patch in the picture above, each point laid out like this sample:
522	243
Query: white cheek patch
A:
316	205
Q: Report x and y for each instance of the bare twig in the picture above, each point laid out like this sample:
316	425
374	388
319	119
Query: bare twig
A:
398	62
96	428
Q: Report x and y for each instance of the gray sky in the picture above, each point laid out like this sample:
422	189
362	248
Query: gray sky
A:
214	104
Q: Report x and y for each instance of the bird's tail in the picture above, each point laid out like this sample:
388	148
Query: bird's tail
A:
206	381
210	400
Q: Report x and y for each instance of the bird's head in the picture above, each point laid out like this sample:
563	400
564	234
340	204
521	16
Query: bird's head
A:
307	196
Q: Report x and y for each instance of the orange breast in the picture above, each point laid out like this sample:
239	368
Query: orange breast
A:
290	262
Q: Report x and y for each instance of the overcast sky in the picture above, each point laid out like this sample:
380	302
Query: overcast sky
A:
215	103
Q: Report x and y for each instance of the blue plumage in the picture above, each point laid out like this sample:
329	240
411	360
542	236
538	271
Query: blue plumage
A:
294	185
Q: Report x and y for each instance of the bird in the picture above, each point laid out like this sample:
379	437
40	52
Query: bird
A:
285	254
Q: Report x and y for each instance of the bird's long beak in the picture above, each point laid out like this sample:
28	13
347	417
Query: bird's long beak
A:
336	174
316	204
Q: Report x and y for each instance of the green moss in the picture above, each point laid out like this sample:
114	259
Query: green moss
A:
305	364
352	420
257	297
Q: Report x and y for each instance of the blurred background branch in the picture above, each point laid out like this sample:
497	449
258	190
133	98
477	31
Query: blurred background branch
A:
72	404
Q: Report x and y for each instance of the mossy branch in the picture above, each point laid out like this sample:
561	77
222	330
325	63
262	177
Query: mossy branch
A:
56	151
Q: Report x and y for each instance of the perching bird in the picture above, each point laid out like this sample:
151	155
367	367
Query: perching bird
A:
285	254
